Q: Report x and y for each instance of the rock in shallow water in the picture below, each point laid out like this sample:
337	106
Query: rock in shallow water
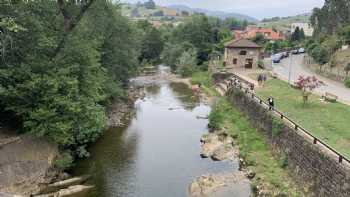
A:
218	147
220	185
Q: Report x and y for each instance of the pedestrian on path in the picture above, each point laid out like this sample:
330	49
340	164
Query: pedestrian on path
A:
260	79
271	102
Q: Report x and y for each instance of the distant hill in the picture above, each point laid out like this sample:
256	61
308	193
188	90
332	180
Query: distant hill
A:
219	14
283	23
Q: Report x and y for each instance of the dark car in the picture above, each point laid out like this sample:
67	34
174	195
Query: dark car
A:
296	51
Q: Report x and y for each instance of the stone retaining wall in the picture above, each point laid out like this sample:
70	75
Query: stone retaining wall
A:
311	165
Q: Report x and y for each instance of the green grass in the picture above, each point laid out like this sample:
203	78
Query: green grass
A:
253	148
204	78
327	121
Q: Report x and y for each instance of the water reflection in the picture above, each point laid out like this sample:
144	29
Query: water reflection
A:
157	155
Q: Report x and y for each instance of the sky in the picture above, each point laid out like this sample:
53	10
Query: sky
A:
256	8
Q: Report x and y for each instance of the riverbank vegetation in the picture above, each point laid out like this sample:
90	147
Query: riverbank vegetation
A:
271	175
63	62
327	121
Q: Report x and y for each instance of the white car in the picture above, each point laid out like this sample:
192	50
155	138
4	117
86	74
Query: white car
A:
301	50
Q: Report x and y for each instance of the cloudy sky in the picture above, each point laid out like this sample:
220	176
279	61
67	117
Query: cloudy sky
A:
255	8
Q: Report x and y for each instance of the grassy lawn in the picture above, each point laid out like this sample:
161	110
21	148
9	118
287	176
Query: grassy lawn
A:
328	121
270	171
204	78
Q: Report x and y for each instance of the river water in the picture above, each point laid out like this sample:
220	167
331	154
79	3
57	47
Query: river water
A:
158	153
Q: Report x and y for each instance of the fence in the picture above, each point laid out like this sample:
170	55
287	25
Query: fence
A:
296	126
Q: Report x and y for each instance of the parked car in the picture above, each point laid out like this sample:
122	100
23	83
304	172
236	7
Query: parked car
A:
285	54
296	51
276	58
301	50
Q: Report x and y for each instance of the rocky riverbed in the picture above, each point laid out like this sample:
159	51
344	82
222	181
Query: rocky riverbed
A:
220	147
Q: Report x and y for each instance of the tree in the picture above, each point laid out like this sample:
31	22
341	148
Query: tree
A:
307	85
152	46
172	51
158	13
347	69
332	16
185	13
150	4
296	35
302	34
259	39
321	55
199	32
187	62
62	68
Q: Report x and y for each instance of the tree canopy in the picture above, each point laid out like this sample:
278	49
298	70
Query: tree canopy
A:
61	62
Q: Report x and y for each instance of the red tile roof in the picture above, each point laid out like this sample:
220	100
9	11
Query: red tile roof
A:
250	33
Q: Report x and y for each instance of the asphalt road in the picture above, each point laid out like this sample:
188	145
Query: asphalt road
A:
297	68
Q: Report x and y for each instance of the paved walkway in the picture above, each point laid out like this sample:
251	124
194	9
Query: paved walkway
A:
298	68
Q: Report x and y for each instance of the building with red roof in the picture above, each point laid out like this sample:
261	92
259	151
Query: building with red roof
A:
252	31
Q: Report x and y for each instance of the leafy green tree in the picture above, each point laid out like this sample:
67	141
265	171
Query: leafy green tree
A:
199	32
296	35
347	69
186	63
152	46
259	39
62	61
150	4
172	51
321	55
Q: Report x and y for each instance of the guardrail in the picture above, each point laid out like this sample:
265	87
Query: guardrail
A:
297	127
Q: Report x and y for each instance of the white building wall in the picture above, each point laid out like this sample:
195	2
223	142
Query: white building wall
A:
307	27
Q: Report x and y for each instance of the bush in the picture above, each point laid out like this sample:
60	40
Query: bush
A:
64	162
203	78
283	161
277	126
347	82
216	119
187	63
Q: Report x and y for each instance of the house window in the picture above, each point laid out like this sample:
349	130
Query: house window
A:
243	53
234	61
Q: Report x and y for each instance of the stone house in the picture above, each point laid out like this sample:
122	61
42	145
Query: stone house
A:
242	53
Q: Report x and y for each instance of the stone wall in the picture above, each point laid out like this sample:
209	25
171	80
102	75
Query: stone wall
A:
313	166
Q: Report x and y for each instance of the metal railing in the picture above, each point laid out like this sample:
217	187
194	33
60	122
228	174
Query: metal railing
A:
296	126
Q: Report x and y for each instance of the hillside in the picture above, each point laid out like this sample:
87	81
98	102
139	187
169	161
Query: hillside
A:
219	14
283	23
135	11
176	12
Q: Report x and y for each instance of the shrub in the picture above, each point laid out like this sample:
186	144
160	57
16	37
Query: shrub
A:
215	119
347	82
64	162
283	161
277	126
187	63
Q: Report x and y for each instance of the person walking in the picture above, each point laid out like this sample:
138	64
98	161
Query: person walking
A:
271	102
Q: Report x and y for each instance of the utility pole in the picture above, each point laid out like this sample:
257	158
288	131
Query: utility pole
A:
290	68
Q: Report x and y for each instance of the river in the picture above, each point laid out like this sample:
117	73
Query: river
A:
158	153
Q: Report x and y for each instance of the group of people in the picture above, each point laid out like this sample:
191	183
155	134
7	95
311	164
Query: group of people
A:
262	78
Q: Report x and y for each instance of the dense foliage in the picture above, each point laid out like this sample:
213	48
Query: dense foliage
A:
332	30
332	16
62	61
200	36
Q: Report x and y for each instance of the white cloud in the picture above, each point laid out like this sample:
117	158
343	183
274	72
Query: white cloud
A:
255	8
